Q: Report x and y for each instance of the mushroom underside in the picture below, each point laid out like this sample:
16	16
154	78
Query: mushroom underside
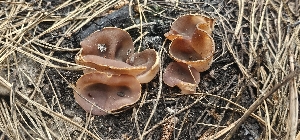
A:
183	76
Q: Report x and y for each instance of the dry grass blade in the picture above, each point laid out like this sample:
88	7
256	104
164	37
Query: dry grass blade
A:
58	116
240	17
8	125
5	87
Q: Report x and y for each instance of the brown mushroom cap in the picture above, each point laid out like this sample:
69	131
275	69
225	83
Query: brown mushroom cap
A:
179	74
107	51
182	50
109	65
112	82
109	92
147	58
191	41
185	26
110	42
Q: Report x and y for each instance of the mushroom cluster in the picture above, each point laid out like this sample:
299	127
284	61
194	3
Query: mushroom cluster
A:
112	81
192	48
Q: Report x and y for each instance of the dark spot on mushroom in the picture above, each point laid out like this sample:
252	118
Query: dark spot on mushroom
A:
128	52
121	94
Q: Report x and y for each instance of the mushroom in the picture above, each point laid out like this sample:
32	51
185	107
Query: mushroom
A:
101	93
193	48
113	80
108	65
185	26
109	50
181	75
110	43
148	58
191	41
197	52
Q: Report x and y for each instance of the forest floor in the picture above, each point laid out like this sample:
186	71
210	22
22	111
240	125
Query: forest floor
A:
257	55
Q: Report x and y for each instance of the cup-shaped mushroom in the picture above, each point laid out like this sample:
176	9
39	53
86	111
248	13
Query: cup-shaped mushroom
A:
101	93
148	58
204	45
182	50
109	65
110	42
185	26
181	75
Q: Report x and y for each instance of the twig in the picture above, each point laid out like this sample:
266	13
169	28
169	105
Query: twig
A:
158	94
268	124
240	17
260	99
293	112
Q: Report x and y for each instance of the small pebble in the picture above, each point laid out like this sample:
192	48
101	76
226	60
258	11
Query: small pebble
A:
69	113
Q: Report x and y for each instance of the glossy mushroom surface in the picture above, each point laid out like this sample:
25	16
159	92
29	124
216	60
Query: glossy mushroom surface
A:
181	75
109	93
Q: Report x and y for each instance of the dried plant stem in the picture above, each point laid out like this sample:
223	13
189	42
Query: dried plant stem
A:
240	17
293	111
260	99
136	123
268	123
